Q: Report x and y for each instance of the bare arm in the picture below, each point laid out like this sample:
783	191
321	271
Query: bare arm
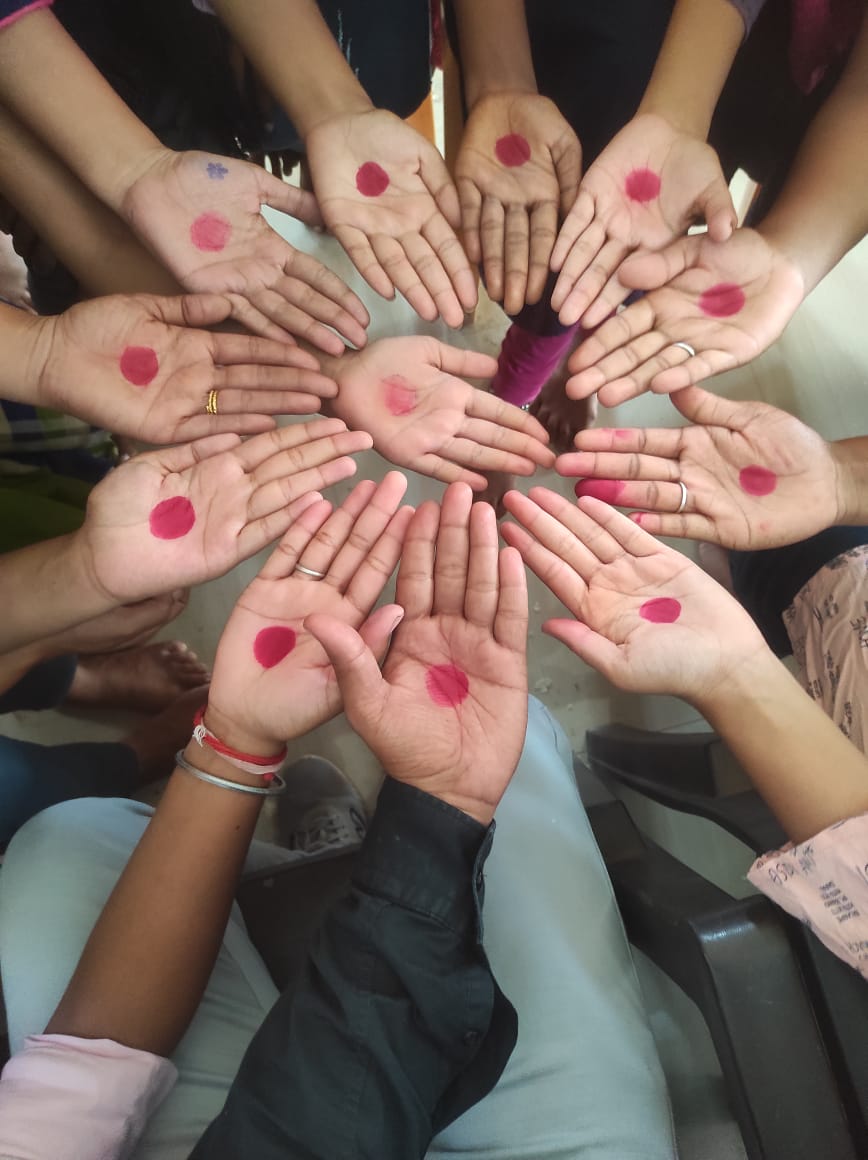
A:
810	775
697	53
86	236
822	211
297	57
495	48
109	146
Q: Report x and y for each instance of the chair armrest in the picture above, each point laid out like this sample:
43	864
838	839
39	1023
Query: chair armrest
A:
734	959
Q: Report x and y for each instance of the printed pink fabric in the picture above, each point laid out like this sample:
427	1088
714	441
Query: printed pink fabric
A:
63	1098
823	31
824	883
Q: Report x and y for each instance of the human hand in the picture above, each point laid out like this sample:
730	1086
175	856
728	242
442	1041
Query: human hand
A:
755	476
517	174
386	195
647	618
201	215
728	300
272	681
448	713
405	393
132	364
183	515
648	185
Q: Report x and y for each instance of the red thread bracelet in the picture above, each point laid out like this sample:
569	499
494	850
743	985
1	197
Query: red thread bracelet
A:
265	767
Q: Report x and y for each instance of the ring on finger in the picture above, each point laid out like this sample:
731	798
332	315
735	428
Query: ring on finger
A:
211	403
312	572
683	503
687	347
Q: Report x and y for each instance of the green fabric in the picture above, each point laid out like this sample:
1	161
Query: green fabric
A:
39	505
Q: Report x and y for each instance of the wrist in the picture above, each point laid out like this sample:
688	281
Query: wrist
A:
236	735
81	580
689	121
137	166
519	84
27	340
201	757
850	457
345	100
754	678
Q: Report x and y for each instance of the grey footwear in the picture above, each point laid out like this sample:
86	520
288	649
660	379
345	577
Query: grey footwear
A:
321	809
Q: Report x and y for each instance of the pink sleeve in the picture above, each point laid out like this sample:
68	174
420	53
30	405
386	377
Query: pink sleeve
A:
824	883
63	1098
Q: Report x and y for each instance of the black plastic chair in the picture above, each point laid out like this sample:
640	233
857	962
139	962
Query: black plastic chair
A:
788	1019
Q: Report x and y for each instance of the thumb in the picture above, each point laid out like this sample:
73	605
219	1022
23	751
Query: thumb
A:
298	203
377	630
649	271
717	209
359	679
710	410
197	310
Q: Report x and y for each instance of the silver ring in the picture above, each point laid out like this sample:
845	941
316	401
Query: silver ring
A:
686	346
683	503
309	572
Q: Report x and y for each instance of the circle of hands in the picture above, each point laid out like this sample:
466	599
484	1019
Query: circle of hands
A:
403	238
275	290
445	427
708	456
256	377
510	213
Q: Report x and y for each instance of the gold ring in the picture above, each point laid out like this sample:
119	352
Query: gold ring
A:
211	405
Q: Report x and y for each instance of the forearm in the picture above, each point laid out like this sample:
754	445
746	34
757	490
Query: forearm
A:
295	54
90	240
697	53
52	87
25	340
803	766
145	967
822	211
46	589
495	48
395	1002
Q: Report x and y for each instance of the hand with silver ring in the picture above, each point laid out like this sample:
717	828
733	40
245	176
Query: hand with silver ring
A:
273	679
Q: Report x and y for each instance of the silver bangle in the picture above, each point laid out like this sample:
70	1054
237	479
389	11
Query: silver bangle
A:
277	786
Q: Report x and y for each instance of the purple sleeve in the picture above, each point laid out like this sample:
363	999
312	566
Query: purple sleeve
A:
12	10
749	10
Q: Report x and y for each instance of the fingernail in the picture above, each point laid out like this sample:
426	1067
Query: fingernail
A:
398	618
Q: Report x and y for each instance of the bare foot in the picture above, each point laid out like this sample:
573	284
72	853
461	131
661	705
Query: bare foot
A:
122	628
145	679
561	416
157	740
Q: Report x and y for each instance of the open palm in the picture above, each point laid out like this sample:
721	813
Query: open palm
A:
201	215
728	300
647	617
177	517
271	677
407	393
756	477
517	173
648	185
449	712
135	365
387	196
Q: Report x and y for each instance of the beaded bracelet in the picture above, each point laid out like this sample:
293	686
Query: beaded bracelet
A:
277	786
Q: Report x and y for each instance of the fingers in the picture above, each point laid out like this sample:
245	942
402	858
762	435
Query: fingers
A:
605	466
399	269
482	405
415	587
468	452
354	543
235	405
508	441
630	366
441	237
454	360
453	551
312	466
277	304
190	310
256	321
626	533
637	319
481	582
325	282
718	211
516	252
703	365
659	441
308	518
589	284
187	455
322	550
256	377
375	570
576	222
607	302
361	254
429	269
687	526
554	572
510	622
543	233
439	468
256	451
492	228
652	270
378	629
655	496
471	209
234	349
358	674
